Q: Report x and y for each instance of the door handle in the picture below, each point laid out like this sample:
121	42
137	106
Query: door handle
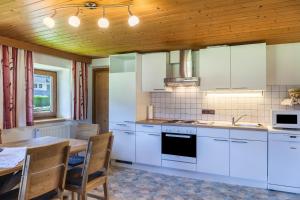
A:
178	136
241	142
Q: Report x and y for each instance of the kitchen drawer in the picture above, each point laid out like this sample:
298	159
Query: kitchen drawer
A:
284	137
123	126
148	128
249	135
213	132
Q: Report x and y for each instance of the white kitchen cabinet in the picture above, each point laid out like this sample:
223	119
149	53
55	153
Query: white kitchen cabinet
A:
122	97
124	145
213	155
248	159
215	68
284	162
175	57
148	148
283	64
248	67
154	66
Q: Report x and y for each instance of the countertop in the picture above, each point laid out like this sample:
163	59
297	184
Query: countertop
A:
204	124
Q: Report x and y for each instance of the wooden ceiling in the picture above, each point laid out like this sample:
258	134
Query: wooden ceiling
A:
165	24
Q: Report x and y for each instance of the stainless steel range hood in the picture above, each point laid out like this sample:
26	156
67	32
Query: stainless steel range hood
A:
183	73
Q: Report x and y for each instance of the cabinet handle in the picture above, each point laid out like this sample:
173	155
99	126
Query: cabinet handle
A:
153	134
220	140
129	122
238	88
241	142
148	126
121	124
293	148
222	88
293	136
159	89
129	133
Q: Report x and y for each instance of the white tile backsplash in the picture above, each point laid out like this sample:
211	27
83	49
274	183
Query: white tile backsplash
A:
187	104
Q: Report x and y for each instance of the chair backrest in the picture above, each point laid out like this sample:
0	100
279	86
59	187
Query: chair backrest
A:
86	130
44	170
98	154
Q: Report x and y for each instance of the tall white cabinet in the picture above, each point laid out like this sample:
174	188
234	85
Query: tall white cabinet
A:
127	103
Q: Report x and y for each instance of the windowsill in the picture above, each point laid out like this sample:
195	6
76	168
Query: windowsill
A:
49	120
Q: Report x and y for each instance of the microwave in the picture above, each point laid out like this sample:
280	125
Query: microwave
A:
286	119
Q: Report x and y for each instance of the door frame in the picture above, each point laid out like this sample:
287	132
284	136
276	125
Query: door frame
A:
102	69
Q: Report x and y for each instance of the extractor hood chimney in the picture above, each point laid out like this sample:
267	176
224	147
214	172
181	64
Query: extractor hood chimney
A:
184	73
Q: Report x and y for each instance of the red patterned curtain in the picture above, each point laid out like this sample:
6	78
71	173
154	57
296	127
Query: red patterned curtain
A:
12	60
80	90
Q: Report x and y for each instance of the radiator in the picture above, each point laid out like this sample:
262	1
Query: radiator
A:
61	131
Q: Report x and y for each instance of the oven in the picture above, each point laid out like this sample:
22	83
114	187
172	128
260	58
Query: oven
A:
179	144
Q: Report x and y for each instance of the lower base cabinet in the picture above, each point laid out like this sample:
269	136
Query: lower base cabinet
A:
148	148
248	159
213	155
124	145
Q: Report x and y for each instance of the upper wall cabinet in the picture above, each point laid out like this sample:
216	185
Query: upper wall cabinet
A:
248	67
154	66
215	68
283	64
233	67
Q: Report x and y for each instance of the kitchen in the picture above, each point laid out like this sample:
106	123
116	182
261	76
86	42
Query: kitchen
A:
155	100
212	114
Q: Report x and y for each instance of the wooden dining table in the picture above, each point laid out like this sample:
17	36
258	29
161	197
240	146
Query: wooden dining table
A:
75	144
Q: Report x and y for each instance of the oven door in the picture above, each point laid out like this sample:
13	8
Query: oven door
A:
181	145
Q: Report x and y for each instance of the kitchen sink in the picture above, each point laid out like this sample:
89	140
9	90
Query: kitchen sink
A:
250	125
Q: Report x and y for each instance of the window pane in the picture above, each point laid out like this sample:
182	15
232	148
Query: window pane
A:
42	100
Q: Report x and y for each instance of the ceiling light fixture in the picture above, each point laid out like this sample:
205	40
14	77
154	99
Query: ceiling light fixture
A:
132	20
49	21
103	21
74	20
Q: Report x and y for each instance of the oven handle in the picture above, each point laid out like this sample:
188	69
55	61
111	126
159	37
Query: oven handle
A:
178	136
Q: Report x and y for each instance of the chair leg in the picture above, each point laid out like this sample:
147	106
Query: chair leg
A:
78	196
84	196
73	195
105	189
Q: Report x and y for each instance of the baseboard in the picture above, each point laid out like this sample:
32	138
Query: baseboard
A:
284	188
195	175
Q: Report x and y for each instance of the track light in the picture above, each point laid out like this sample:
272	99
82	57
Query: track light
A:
103	21
74	20
132	20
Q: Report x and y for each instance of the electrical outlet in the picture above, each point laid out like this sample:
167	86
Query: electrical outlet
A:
208	111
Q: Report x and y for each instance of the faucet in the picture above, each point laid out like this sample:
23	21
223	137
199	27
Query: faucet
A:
234	121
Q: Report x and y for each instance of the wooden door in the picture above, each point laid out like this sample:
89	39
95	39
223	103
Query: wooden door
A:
100	98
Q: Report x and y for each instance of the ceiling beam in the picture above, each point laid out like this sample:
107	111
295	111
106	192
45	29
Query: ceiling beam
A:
42	49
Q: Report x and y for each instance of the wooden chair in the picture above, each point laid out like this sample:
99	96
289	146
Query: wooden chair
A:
94	172
44	173
0	136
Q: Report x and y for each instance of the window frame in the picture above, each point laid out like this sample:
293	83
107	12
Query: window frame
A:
53	114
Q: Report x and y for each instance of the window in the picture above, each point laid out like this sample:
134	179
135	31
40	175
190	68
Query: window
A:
44	97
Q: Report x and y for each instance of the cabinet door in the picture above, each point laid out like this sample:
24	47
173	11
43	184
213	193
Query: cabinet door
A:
153	71
215	68
148	148
248	67
124	146
122	97
213	155
248	159
284	163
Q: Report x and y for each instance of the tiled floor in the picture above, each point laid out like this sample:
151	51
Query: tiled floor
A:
132	184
